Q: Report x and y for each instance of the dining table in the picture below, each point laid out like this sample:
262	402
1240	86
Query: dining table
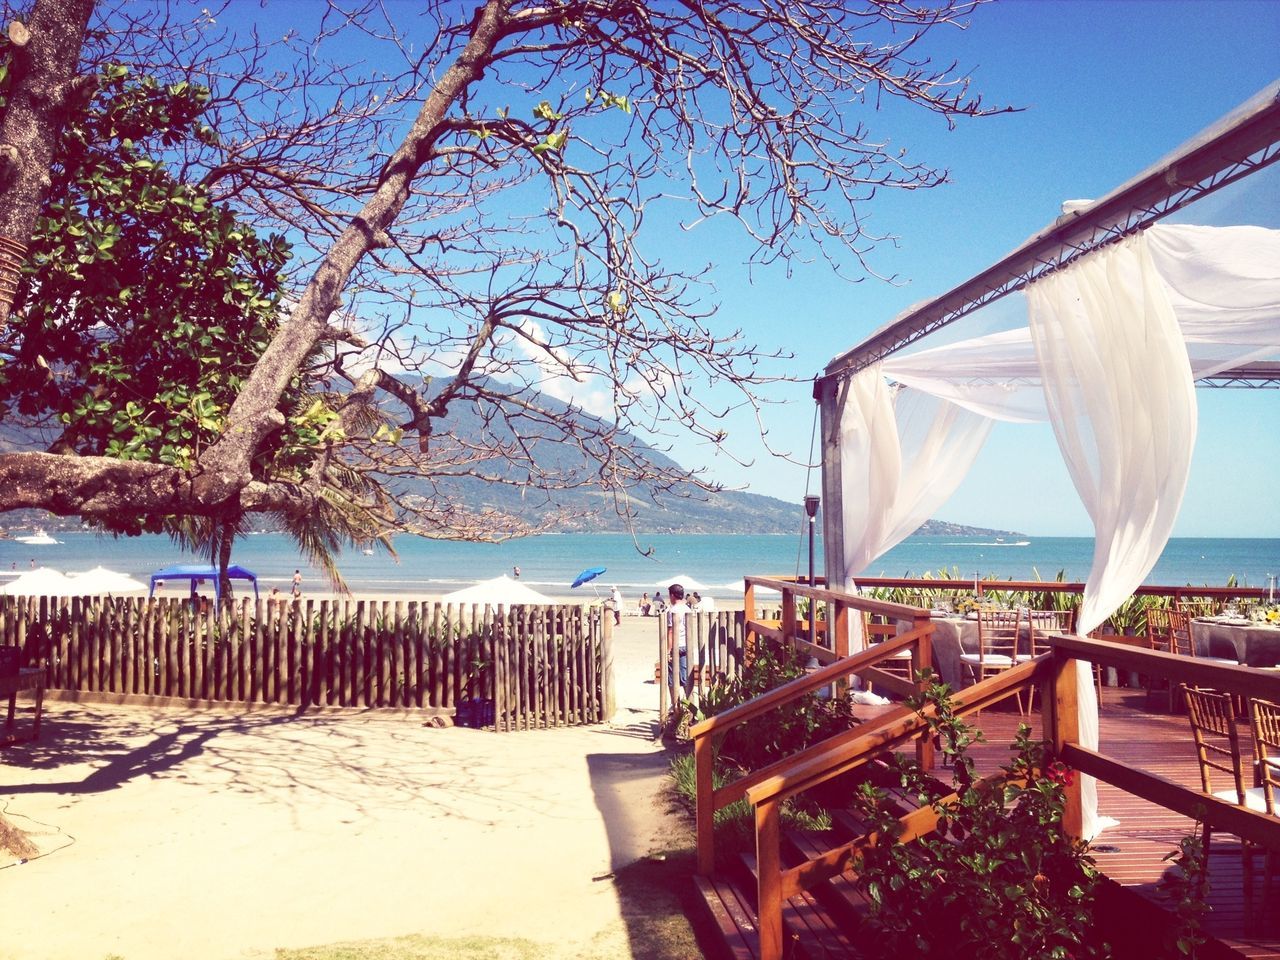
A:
1246	641
953	634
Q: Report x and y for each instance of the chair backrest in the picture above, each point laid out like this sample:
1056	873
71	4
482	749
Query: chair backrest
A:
1199	608
878	627
1045	623
1180	634
1264	719
998	632
1213	726
1158	637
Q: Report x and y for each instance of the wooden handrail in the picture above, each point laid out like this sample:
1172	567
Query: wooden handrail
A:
831	758
901	611
767	789
1247	824
794	689
1052	586
708	799
826	760
1175	667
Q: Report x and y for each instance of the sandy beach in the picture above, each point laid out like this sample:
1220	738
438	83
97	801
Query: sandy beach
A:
173	833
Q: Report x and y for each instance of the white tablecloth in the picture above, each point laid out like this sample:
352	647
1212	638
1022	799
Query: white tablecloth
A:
1255	645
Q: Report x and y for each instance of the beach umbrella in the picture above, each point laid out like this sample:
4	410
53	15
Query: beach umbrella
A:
688	583
40	582
102	580
499	591
586	576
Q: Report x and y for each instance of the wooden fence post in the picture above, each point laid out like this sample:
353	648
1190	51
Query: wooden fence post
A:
769	880
1065	728
704	817
922	658
606	669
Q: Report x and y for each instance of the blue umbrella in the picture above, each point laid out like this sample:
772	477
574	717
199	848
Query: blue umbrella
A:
586	575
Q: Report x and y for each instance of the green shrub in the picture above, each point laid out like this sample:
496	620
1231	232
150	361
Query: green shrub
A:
998	879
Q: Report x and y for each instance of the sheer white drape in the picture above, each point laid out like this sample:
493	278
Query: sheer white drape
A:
1223	284
1114	345
870	465
1121	399
902	454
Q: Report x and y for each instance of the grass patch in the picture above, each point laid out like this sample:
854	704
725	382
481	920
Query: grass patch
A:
653	927
735	823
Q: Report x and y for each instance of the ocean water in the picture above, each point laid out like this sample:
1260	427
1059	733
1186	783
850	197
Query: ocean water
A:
550	563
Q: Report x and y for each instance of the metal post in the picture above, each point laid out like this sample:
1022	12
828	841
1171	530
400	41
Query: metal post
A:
811	508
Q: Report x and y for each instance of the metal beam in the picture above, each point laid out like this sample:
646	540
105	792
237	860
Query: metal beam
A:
1242	143
1256	376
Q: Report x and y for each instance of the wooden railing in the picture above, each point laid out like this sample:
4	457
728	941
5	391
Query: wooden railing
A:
1055	672
982	586
705	732
521	668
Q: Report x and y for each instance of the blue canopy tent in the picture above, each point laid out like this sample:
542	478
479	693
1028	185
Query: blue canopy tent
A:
197	572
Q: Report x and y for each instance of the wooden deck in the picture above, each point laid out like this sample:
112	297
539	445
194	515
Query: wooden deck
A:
1132	853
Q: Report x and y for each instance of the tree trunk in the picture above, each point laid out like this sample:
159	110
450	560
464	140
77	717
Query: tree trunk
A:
46	50
223	538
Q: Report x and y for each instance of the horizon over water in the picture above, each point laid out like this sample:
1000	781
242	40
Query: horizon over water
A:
550	562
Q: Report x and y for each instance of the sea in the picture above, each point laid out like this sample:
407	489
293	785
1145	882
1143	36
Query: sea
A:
550	563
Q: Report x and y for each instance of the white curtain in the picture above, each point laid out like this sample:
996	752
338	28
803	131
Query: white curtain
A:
902	454
1223	284
1114	343
1121	399
870	467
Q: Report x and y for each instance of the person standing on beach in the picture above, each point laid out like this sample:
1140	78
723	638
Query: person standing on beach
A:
677	632
616	596
516	571
297	583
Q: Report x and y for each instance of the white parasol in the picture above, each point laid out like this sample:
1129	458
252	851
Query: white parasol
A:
102	580
40	582
498	591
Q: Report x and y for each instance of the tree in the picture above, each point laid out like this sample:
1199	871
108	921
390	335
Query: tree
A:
491	226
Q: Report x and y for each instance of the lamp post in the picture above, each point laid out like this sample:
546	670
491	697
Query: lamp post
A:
811	508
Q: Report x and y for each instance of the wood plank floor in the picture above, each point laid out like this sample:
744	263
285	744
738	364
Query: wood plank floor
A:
1132	853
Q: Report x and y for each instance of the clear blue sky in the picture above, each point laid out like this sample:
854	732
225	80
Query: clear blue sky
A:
1109	88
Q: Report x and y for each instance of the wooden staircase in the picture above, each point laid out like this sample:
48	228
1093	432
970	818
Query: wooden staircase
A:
821	923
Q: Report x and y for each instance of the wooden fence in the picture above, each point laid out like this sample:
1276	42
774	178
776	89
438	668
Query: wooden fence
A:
715	652
522	668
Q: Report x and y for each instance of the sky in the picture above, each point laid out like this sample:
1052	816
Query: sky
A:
1107	88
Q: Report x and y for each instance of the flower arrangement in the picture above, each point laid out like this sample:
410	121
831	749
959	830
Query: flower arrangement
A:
1266	613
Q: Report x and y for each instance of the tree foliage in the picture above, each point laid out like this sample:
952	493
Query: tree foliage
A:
483	218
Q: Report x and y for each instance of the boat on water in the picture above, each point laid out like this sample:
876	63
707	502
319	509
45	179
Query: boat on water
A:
38	539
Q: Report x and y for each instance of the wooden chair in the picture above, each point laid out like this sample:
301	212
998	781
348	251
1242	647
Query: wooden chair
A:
998	632
1264	723
1182	643
1199	608
877	629
1158	631
1041	625
1213	727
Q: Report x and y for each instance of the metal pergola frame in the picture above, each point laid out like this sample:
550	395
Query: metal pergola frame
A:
1240	144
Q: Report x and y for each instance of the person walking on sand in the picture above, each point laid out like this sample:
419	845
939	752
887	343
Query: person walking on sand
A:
297	583
677	632
616	596
516	571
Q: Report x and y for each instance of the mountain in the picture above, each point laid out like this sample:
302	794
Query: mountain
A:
655	507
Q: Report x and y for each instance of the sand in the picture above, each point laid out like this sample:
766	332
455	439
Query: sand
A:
173	833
